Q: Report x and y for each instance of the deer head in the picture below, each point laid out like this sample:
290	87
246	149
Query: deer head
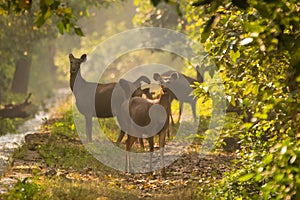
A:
75	63
165	81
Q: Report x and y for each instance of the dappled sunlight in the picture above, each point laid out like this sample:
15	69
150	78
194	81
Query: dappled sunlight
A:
224	73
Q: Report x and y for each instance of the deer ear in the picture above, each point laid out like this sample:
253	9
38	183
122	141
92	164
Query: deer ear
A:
124	85
175	76
156	77
71	56
138	81
83	58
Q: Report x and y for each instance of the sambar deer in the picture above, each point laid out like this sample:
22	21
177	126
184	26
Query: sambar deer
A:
138	113
181	90
94	99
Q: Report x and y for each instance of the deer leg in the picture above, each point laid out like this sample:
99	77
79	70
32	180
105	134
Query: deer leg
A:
172	120
180	110
162	137
169	111
129	142
141	143
193	105
151	149
121	135
171	116
168	133
88	128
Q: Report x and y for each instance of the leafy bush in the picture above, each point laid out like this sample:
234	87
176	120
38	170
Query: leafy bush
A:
7	126
25	189
256	45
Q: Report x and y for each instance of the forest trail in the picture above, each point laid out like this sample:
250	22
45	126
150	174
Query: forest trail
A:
55	158
183	176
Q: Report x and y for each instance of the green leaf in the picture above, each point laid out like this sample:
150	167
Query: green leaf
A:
279	177
78	31
246	177
255	90
48	14
247	125
234	55
267	159
60	27
254	27
67	11
68	27
258	177
248	89
39	20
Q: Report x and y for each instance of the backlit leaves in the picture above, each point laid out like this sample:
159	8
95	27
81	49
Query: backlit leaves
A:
60	13
246	177
234	55
78	31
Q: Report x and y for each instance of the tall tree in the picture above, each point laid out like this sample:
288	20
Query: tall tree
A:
26	23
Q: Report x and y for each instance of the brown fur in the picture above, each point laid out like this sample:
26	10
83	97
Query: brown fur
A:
94	99
139	114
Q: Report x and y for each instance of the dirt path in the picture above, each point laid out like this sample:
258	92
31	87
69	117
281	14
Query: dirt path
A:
55	160
183	176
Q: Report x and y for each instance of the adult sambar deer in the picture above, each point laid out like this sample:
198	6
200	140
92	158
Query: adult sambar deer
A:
94	99
181	91
141	113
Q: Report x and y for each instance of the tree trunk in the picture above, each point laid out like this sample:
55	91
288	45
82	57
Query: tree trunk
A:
21	76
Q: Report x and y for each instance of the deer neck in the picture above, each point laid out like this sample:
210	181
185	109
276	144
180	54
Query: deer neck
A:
76	77
164	99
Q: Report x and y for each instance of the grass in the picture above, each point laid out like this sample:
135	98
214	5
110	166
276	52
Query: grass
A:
71	171
66	170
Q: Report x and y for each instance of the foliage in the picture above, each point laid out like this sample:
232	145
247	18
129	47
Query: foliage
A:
28	24
7	126
25	189
28	30
275	176
255	44
56	153
64	14
248	50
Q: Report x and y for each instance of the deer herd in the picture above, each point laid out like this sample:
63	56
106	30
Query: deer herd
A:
138	114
